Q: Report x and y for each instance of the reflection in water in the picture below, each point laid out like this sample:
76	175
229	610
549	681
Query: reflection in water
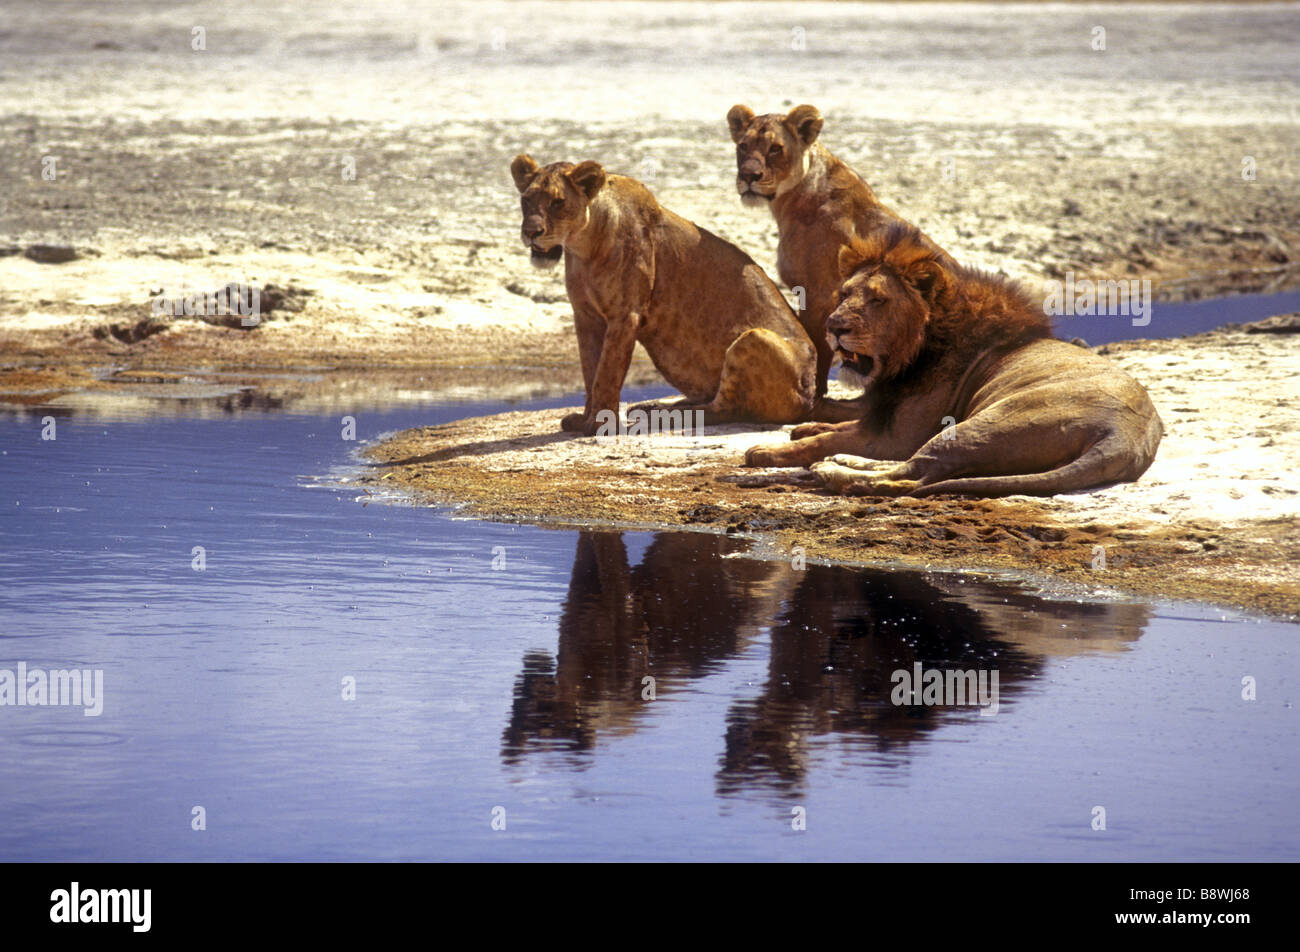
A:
837	635
846	631
678	614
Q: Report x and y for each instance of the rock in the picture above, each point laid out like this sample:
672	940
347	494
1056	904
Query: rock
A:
1280	324
131	333
51	254
221	307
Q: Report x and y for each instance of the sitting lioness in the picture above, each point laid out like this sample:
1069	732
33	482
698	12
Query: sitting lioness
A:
713	322
965	383
820	205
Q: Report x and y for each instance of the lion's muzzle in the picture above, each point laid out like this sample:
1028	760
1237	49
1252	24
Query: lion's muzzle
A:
546	258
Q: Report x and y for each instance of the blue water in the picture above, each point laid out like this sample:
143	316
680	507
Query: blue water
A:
521	687
1178	319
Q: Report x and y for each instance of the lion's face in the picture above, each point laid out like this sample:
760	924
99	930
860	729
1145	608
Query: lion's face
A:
883	307
878	325
771	150
555	202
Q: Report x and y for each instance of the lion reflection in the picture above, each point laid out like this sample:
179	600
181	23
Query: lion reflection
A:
837	637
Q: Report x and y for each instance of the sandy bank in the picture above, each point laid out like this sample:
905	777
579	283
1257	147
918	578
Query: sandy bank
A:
1214	519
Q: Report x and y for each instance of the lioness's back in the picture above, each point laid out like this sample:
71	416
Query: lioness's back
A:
712	278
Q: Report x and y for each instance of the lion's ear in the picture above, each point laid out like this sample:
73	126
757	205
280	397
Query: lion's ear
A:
805	122
738	119
588	178
522	169
851	258
928	277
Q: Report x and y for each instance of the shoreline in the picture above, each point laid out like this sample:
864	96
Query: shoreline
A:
1213	521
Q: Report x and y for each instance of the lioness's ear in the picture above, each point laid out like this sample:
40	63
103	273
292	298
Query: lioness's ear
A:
738	119
588	178
851	258
523	168
805	122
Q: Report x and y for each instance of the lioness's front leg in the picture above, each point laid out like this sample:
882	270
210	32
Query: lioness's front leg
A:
590	328
849	439
615	358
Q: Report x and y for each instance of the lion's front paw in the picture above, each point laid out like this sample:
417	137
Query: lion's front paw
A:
574	423
764	456
805	430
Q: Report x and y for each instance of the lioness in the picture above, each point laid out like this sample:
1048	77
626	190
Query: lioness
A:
820	206
966	383
712	321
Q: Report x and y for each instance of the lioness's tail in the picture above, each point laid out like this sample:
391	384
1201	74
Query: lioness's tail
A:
1110	460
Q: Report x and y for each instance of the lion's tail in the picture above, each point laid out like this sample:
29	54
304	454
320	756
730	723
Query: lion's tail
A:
1110	460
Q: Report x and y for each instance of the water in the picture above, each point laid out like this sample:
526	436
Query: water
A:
1178	319
522	688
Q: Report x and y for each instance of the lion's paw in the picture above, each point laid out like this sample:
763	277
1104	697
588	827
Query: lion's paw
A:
835	477
574	422
763	456
855	462
805	430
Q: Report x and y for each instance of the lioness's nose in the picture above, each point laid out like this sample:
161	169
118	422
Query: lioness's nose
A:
836	324
751	171
534	226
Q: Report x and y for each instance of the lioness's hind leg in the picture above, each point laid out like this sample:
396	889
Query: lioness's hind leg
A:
668	403
763	378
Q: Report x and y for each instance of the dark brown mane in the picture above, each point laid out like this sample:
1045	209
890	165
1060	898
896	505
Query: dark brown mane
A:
971	311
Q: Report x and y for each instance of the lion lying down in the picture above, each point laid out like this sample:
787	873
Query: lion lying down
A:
966	384
712	321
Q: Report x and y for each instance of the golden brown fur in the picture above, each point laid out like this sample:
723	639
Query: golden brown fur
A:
966	384
714	324
820	205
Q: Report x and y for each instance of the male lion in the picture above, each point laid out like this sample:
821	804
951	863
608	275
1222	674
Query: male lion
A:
820	205
966	383
712	321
